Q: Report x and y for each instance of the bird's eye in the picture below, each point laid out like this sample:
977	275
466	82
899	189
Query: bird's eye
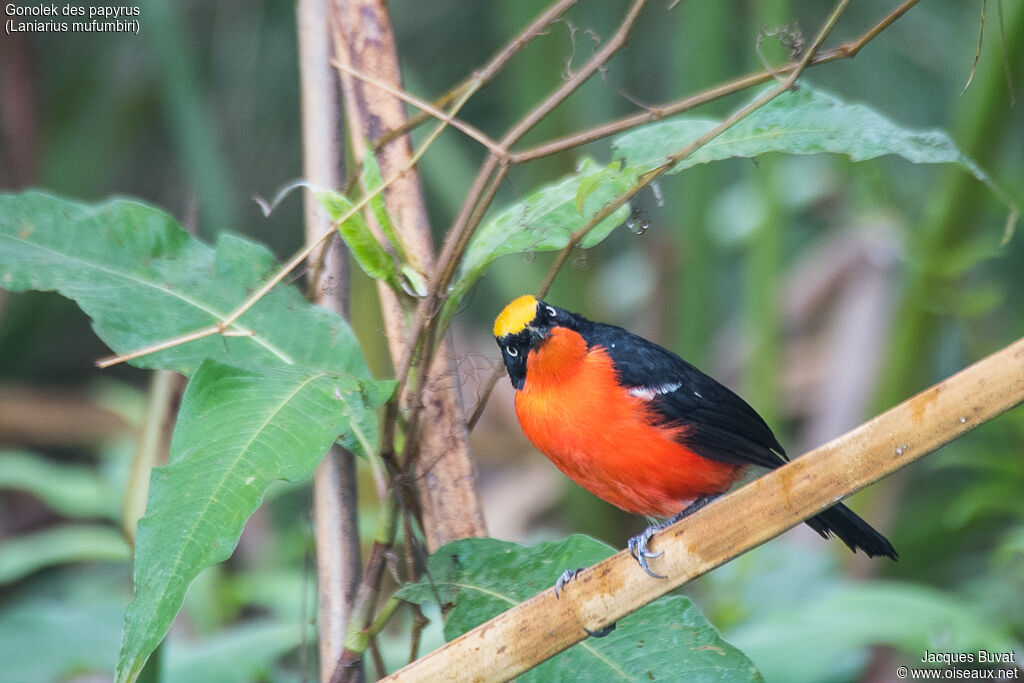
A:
551	311
512	351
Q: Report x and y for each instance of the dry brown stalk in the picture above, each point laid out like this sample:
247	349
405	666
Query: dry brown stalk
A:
364	41
335	496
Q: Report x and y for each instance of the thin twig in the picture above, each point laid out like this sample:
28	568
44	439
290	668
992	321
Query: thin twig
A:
658	112
485	74
427	107
159	346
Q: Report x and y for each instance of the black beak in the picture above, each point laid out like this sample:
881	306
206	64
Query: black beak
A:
537	334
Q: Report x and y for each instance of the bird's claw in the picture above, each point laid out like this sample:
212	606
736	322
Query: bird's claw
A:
570	575
638	549
602	633
566	576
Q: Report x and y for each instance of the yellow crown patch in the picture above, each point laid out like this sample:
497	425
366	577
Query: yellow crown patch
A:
516	316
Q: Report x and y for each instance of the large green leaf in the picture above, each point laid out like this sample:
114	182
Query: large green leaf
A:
142	279
802	121
260	407
668	640
239	429
545	220
28	553
802	644
246	653
62	625
75	491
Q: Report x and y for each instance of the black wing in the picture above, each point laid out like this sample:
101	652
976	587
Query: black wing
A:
724	426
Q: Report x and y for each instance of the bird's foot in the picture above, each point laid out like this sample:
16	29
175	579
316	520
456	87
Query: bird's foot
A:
638	548
602	633
566	576
638	544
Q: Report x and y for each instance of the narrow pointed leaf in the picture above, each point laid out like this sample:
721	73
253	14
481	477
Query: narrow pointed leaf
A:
668	640
238	430
371	181
368	252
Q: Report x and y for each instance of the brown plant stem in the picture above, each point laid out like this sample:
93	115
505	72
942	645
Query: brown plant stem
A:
335	494
364	41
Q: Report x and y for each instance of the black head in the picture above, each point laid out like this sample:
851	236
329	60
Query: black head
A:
523	326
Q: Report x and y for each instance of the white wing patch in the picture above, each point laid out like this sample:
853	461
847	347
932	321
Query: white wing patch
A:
650	393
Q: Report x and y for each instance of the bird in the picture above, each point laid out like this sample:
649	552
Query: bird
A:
638	426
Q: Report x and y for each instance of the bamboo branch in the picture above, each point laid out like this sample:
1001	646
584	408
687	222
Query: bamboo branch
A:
544	625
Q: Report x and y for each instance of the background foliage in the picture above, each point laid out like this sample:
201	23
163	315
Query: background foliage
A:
821	289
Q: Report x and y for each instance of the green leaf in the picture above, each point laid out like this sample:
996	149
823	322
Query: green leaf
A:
142	280
239	430
368	252
593	181
63	624
371	181
668	640
804	121
414	283
545	220
23	555
264	406
245	653
75	491
801	645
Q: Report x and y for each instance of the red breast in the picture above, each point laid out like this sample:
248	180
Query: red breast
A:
573	409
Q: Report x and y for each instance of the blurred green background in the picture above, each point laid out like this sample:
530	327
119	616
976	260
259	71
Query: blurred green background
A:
822	290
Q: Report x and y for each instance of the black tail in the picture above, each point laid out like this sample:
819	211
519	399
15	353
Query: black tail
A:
851	530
